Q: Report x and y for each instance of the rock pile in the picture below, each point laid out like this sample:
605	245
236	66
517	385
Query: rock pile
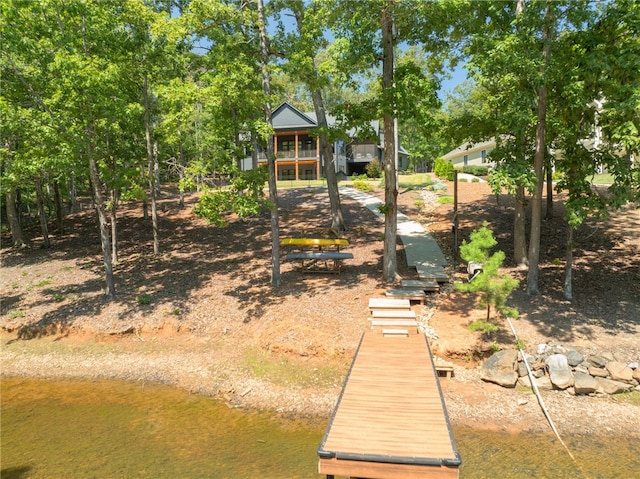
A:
555	367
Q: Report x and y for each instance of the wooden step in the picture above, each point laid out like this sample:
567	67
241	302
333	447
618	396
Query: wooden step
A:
393	314
420	284
395	333
387	303
410	327
410	294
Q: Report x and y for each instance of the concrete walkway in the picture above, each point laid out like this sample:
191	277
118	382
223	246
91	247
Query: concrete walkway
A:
422	250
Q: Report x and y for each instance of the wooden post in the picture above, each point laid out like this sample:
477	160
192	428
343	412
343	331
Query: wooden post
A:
455	213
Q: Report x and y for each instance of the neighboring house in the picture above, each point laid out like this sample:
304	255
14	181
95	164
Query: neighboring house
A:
298	152
476	154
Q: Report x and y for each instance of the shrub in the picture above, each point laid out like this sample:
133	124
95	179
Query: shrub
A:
362	186
476	170
143	299
444	169
373	169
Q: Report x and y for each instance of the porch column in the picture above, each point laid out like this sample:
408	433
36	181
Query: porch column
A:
297	156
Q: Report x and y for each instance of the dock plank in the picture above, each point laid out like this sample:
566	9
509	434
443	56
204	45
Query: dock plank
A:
390	408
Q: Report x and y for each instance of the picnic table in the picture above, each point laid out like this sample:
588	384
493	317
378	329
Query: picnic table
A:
318	255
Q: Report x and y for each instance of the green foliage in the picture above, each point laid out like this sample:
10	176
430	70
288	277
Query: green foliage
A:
485	327
492	287
384	208
143	299
445	200
244	197
476	170
444	169
362	186
373	169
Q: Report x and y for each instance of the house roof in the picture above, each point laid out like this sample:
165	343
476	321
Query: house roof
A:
469	147
286	116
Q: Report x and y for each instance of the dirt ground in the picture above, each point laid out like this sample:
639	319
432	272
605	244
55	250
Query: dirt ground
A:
202	315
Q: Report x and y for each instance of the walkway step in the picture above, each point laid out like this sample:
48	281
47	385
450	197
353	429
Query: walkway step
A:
387	303
431	272
397	333
412	326
410	294
392	314
422	284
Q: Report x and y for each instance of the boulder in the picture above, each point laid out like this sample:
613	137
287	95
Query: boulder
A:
501	368
584	383
636	375
542	383
522	369
574	358
608	356
559	371
597	361
598	372
610	386
620	371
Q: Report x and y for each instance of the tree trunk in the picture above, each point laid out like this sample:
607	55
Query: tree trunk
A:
181	170
110	291
42	214
337	220
73	195
538	166
549	170
152	169
519	229
14	220
390	260
568	267
113	211
59	208
271	159
254	152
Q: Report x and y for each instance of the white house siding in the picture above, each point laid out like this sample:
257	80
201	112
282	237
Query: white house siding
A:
471	154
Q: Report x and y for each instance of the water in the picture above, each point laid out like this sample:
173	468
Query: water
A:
100	429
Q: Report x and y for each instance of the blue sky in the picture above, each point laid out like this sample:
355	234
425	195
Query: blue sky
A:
458	75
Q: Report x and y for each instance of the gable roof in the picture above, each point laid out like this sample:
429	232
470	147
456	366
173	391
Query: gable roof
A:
286	116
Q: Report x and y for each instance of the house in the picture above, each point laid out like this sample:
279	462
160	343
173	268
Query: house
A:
475	154
297	150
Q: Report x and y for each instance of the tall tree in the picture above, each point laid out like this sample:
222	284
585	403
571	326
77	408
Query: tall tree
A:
369	31
304	60
276	279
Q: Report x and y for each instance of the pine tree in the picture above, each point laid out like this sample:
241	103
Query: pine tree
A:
492	287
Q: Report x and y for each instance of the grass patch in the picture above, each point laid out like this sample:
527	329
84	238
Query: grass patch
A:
603	179
631	397
445	200
485	327
286	371
416	180
43	283
143	299
16	313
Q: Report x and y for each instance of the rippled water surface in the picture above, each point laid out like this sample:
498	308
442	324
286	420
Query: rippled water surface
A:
82	429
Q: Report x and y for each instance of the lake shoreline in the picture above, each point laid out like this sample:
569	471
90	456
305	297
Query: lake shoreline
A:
470	402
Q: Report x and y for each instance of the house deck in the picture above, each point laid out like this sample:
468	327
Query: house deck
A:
390	421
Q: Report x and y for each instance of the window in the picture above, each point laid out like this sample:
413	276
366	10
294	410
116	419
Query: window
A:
287	174
484	156
466	160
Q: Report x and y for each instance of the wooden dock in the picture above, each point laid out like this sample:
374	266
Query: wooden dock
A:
390	421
